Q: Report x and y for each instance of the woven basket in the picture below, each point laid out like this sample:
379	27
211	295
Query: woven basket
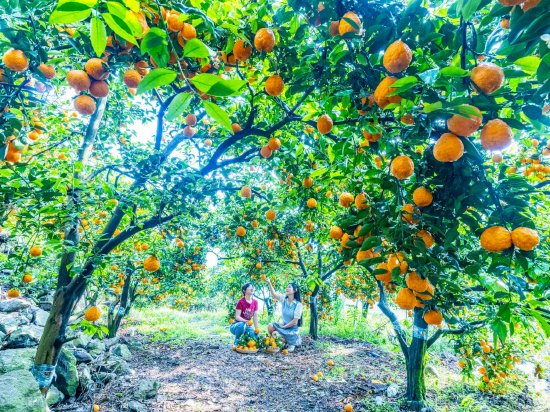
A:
271	349
246	351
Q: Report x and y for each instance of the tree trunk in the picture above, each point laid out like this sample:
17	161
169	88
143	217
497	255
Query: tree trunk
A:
123	307
416	388
313	316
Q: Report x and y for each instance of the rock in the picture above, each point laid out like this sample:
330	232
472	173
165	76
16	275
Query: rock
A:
95	348
46	302
19	393
81	355
67	374
134	345
25	337
135	406
11	321
109	343
122	351
40	317
103	377
79	340
16	359
116	365
84	377
54	396
14	305
147	389
392	390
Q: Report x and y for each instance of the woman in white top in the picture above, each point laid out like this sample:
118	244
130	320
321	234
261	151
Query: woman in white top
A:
291	315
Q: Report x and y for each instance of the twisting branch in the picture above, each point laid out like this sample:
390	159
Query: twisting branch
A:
465	328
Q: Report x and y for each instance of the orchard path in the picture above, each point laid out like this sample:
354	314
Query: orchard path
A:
206	375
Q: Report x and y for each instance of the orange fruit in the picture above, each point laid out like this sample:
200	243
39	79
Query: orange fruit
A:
308	182
151	264
99	89
422	197
274	144
383	90
496	239
405	299
84	104
47	70
397	57
324	124
131	78
402	167
433	317
448	148
270	215
510	3
13	293
407	213
488	77
426	237
236	127
33	135
371	137
361	201
27	278
191	119
266	152
464	125
416	283
386	276
525	238
348	407
311	203
142	67
334	28
92	314
189	32
346	199
336	232
78	80
264	40
529	4
345	25
496	135
97	68
15	60
240	51
246	192
188	131
274	85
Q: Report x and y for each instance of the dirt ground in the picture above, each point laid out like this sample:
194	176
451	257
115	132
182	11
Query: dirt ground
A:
208	376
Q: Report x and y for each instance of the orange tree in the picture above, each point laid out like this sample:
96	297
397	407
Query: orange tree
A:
413	82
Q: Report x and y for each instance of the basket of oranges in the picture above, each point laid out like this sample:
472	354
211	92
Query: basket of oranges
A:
247	344
272	344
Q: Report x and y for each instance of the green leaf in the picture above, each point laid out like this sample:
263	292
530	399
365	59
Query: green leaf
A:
371	242
68	12
432	107
403	84
156	78
120	27
132	5
217	113
196	48
178	105
216	86
545	326
125	15
530	64
98	35
469	8
500	329
155	43
453	71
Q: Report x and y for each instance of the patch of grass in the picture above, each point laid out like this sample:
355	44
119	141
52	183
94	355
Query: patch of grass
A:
371	406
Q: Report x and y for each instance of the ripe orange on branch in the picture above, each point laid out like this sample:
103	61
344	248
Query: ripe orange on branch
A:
465	125
382	91
525	238
274	85
496	239
336	232
92	314
448	148
151	264
397	57
433	317
35	251
131	78
78	80
488	77
246	192
345	25
15	60
405	299
496	135
47	70
264	40
324	124
422	197
346	199
97	68
402	167
84	104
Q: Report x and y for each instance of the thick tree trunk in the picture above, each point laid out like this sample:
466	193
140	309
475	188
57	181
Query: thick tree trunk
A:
416	388
313	316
